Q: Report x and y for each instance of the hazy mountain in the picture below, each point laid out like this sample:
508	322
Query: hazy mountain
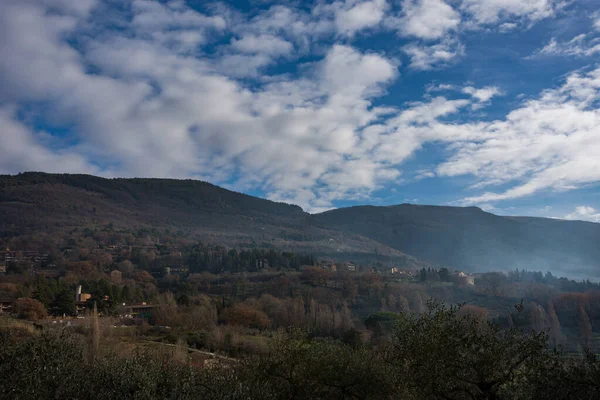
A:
467	237
463	238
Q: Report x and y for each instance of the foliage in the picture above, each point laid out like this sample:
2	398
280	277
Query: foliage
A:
31	309
441	355
300	368
56	295
241	314
436	355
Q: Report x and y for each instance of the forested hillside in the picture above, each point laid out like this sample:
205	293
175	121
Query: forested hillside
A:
468	237
33	203
409	235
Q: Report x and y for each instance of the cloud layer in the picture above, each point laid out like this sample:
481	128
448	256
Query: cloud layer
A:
281	99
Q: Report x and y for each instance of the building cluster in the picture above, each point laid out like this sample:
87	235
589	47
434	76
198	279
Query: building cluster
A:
29	258
112	249
400	272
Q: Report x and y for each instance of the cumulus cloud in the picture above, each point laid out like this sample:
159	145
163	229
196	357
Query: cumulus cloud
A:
176	92
482	96
584	213
427	57
426	19
483	12
158	111
548	143
352	16
22	150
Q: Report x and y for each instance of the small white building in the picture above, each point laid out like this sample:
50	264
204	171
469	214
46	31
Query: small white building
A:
468	279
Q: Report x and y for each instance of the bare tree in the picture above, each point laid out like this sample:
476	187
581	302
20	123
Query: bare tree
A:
555	332
585	328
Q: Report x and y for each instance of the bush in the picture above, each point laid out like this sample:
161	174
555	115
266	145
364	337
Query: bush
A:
244	315
30	309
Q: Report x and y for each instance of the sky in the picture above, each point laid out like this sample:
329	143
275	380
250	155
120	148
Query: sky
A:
488	103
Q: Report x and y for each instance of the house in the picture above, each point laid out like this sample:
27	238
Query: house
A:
467	279
142	310
6	304
2	268
351	267
178	270
81	297
394	270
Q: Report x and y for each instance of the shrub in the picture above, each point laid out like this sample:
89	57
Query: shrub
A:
31	309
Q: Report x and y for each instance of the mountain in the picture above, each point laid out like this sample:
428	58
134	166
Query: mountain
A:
35	202
408	235
468	237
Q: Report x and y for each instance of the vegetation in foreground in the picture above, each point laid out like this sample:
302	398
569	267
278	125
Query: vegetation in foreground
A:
439	354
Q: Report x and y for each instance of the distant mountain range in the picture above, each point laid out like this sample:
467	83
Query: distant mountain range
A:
406	235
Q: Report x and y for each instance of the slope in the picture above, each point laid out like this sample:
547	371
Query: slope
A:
473	239
38	202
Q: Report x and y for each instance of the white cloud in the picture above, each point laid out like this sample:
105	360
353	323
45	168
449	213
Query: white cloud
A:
428	57
22	150
353	16
441	87
266	44
583	45
297	26
507	26
151	16
548	143
482	96
425	19
584	213
154	110
494	11
80	8
150	100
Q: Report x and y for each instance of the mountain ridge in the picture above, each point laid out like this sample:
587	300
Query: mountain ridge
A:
36	202
417	235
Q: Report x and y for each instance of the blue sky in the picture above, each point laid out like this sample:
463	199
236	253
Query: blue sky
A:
492	103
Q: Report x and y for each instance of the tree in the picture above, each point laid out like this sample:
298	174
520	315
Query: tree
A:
300	368
126	267
538	317
439	355
555	333
64	303
349	287
315	276
444	275
244	315
585	328
31	309
492	283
